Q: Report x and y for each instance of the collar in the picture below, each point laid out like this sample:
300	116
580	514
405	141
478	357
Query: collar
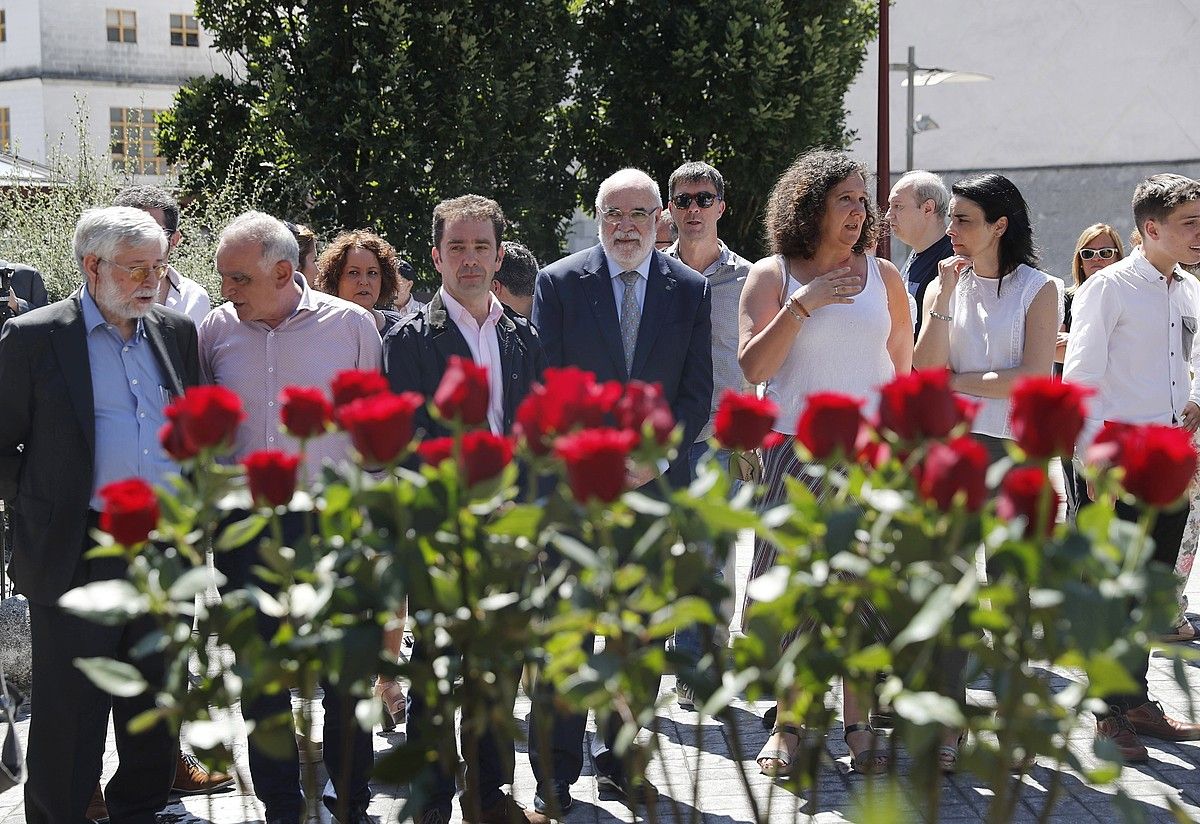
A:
615	270
725	257
1146	269
93	318
173	278
460	313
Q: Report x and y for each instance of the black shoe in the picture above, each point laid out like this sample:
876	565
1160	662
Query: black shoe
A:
685	696
355	816
433	815
768	719
556	801
638	792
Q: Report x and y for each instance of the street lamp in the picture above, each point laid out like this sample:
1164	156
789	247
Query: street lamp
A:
923	76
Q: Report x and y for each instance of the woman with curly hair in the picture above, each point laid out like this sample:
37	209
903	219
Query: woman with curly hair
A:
362	267
820	315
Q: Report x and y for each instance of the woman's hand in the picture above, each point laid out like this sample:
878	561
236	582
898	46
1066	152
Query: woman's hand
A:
943	286
832	287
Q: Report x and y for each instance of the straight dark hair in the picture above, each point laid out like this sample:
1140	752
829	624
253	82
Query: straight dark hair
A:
998	197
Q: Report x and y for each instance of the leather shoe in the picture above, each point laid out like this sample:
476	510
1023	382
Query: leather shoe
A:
433	815
637	791
506	810
1150	720
191	777
355	816
555	801
1117	729
97	810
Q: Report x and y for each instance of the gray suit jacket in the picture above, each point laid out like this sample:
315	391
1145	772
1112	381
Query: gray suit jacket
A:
48	432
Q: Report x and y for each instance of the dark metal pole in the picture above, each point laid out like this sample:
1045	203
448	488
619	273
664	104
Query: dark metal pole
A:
883	157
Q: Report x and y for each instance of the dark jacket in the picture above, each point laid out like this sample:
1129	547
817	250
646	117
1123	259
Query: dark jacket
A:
48	432
27	284
416	352
576	317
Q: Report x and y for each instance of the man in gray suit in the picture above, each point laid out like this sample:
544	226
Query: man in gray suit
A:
85	382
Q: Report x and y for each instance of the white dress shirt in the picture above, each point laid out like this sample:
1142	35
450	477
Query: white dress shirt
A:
1133	339
484	344
187	296
639	285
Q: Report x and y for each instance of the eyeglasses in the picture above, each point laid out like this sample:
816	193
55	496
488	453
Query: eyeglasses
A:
138	274
703	200
1103	254
639	217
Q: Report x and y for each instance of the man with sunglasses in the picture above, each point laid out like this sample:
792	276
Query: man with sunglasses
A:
85	382
174	291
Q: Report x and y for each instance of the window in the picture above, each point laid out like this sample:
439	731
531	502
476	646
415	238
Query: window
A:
122	26
133	136
5	131
185	30
3	27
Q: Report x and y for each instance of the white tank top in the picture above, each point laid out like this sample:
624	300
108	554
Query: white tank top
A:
841	348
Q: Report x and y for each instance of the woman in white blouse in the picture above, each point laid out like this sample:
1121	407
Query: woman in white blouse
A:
991	317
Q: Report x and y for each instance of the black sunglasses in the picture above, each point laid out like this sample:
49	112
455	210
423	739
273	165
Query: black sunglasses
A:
703	200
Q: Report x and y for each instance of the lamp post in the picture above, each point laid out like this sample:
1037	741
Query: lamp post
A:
924	76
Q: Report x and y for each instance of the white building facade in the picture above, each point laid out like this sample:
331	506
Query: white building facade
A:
118	62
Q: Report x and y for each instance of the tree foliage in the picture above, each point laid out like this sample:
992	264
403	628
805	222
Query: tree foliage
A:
368	113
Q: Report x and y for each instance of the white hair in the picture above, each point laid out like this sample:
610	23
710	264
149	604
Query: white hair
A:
269	232
105	231
627	179
927	186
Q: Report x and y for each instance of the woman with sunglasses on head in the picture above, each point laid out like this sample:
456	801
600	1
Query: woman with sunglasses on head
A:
1097	247
820	315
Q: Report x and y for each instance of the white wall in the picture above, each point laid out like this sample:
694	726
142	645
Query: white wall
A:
22	49
1076	82
23	99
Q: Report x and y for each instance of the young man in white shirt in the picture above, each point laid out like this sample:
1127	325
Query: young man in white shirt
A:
1117	347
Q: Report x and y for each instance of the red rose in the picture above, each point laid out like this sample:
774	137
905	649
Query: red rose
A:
130	510
743	420
381	425
595	460
566	398
641	404
352	384
1047	415
304	410
174	443
463	392
207	417
829	425
271	475
1159	462
921	405
1105	449
870	450
949	468
484	454
1021	495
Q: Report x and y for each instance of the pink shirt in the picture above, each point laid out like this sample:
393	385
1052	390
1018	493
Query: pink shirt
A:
321	338
485	350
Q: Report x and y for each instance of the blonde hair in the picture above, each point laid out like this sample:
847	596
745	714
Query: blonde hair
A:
1089	234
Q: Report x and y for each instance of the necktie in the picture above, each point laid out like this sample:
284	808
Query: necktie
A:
631	317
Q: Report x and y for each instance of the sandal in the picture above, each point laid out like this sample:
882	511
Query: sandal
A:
947	756
1185	630
392	695
867	762
777	761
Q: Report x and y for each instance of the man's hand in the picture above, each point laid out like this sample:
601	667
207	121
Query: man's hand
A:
12	301
1189	419
638	475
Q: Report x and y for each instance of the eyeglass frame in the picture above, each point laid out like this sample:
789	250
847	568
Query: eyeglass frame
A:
1112	253
159	270
688	197
638	216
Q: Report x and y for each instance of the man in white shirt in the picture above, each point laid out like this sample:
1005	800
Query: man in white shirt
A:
1118	348
174	291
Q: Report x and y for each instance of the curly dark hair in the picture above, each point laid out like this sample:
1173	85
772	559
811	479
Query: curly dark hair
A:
796	205
332	263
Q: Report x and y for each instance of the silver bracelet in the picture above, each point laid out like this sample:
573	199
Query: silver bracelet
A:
940	316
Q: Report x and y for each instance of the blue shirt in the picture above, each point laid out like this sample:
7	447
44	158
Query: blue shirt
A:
128	396
639	285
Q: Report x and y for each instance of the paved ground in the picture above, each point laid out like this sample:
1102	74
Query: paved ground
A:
701	751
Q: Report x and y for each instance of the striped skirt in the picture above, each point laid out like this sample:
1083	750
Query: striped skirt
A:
778	463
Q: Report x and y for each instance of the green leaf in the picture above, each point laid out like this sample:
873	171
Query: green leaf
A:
924	708
518	522
575	550
241	533
105	602
114	677
195	581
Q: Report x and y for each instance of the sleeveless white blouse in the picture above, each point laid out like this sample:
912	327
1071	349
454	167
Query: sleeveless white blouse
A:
987	333
841	348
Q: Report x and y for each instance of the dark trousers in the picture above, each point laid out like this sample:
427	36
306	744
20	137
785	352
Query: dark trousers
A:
349	753
496	749
563	732
70	723
1167	535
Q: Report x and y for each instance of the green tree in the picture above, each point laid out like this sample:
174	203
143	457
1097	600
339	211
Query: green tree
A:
743	84
366	113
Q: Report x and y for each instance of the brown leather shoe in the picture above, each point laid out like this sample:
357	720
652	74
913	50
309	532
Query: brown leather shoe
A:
191	777
97	810
1150	720
1117	729
508	811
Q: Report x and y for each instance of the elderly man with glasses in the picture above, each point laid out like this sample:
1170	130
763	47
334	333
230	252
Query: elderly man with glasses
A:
85	382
